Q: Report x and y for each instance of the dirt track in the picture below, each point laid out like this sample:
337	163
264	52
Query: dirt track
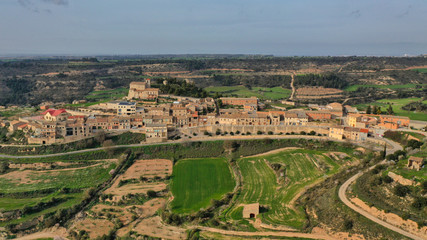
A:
346	201
267	234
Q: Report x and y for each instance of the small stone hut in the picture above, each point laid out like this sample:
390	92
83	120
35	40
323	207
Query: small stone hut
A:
251	210
415	163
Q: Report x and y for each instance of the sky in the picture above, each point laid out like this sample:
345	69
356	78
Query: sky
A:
278	27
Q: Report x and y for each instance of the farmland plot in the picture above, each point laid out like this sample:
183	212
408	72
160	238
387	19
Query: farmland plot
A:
276	192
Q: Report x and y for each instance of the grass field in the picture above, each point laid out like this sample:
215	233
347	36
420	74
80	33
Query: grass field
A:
196	181
108	94
421	70
55	179
27	188
275	93
407	86
261	185
397	105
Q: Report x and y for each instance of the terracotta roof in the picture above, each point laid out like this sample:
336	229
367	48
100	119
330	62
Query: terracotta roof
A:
54	112
364	130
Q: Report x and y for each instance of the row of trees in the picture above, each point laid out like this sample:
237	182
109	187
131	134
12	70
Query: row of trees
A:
377	110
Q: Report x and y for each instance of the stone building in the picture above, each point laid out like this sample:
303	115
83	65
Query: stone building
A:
415	163
251	210
143	90
239	101
156	133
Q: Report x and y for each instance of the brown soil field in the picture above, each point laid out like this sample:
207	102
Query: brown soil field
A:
317	91
146	168
149	169
94	227
154	227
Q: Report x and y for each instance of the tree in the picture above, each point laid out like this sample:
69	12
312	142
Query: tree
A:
100	136
4	166
378	110
401	190
374	109
108	145
369	109
230	146
390	110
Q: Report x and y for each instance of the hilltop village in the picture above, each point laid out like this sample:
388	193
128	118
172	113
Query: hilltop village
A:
163	117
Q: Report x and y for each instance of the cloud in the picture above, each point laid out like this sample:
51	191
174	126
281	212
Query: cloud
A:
405	13
33	5
356	14
57	2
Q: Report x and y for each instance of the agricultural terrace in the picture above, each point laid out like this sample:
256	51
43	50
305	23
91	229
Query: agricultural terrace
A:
276	180
28	187
397	105
196	181
262	93
353	88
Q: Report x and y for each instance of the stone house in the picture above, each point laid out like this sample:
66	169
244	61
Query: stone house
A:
251	210
415	163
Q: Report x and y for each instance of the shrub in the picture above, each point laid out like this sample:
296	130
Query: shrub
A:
270	133
401	190
348	224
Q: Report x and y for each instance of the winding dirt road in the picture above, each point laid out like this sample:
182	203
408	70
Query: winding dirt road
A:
342	196
292	86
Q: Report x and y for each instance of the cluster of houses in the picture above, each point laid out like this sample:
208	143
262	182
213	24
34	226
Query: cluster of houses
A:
141	112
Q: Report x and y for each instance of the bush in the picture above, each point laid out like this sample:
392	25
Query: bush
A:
151	194
259	132
348	224
401	190
419	203
270	133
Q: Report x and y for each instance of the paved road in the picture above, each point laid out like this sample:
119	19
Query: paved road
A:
194	139
346	201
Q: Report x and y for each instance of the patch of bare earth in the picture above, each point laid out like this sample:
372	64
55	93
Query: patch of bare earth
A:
318	92
337	235
141	168
95	227
154	227
273	152
392	218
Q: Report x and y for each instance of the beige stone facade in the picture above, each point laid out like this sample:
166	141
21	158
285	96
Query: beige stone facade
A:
143	90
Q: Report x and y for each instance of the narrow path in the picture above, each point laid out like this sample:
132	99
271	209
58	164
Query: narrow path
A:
293	87
267	234
346	201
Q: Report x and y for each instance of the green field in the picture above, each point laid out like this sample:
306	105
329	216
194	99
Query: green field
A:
397	105
262	185
397	86
27	188
421	70
97	97
27	180
108	94
274	93
196	181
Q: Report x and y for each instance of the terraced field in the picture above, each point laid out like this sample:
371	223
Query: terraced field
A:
262	185
274	93
196	181
27	188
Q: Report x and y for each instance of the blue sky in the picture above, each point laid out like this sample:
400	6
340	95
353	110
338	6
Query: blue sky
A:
279	27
